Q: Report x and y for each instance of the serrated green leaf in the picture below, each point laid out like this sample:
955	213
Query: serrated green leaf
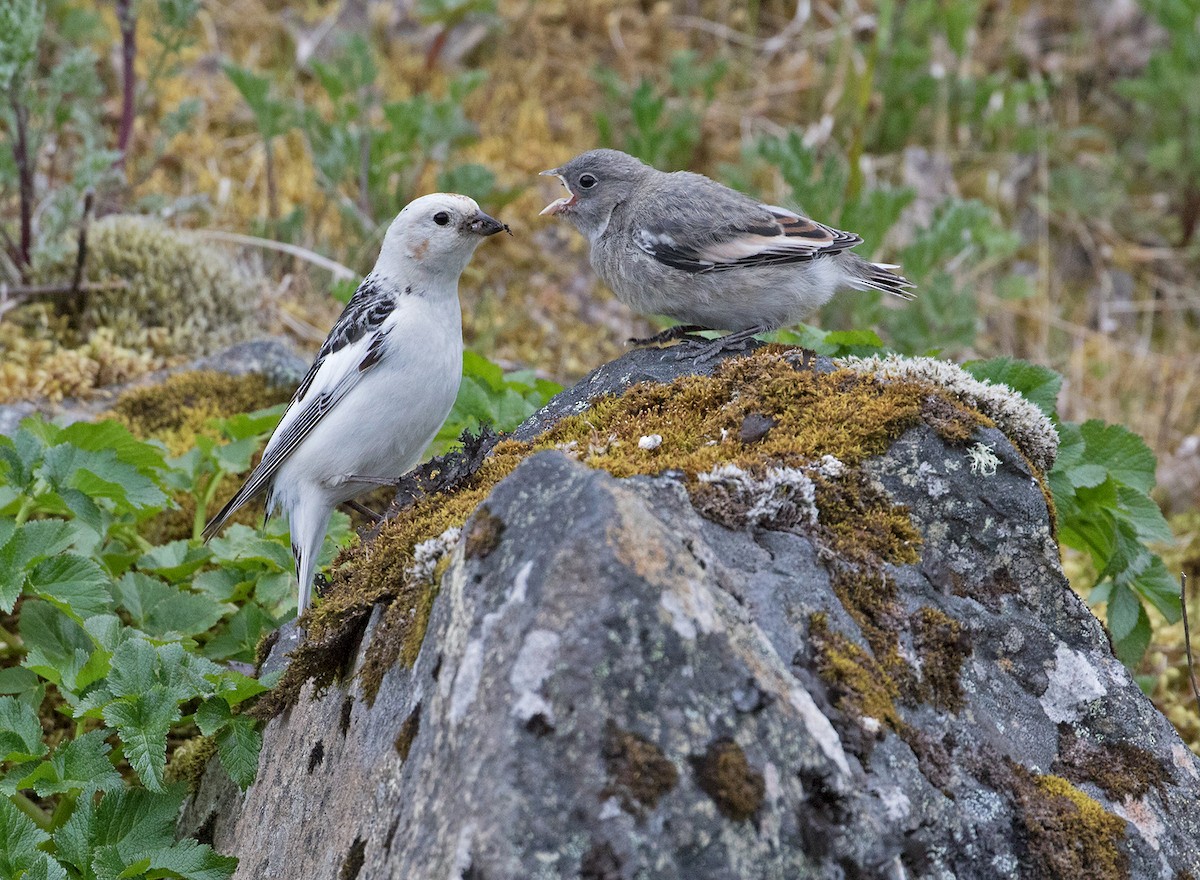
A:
160	609
74	840
191	860
147	456
80	765
1156	585
1145	516
1087	475
238	745
1123	452
20	731
28	544
242	545
101	475
1133	646
239	638
1123	609
76	584
17	680
21	841
57	648
211	715
142	722
1039	385
174	561
235	688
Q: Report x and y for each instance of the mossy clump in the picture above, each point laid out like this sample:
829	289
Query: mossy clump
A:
189	759
942	647
408	732
152	279
859	685
639	773
1067	833
37	361
1120	769
824	424
724	774
179	408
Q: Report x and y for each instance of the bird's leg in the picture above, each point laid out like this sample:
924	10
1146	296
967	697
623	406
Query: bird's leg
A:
364	510
737	339
669	335
372	481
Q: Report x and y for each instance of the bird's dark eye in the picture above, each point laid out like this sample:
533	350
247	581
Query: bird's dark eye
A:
441	218
587	181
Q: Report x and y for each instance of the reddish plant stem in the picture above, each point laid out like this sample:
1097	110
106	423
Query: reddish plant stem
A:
128	25
24	163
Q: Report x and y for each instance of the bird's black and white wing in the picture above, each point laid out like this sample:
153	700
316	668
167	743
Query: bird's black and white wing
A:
354	345
766	236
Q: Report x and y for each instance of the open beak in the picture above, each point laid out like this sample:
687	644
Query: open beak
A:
485	225
558	205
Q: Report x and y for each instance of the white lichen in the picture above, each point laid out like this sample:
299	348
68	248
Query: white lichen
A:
1026	425
650	441
983	459
782	496
428	554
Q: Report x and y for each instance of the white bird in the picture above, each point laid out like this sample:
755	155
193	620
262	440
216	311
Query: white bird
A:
383	382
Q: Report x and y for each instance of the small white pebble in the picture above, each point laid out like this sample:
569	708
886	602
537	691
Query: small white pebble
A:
650	441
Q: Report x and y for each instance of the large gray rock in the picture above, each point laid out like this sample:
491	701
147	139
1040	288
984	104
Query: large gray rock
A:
614	686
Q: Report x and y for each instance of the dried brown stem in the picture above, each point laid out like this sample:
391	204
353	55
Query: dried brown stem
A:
89	199
24	162
1187	639
128	24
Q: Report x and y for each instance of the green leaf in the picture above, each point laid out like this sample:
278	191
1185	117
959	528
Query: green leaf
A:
212	715
235	688
20	731
1156	585
57	648
1039	385
101	474
239	639
147	457
174	561
1145	515
21	838
17	680
26	545
191	860
81	765
1131	648
1123	452
238	745
160	609
142	722
76	584
1123	611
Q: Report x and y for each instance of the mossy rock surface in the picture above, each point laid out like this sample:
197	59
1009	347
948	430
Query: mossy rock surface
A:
819	649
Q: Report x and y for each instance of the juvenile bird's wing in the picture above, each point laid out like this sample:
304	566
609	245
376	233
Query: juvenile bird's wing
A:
354	345
692	223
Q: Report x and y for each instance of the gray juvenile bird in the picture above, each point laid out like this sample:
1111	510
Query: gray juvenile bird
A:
382	384
687	247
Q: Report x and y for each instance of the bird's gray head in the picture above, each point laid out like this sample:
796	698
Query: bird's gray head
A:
596	181
435	235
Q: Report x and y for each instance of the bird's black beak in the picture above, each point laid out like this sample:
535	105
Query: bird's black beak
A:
485	225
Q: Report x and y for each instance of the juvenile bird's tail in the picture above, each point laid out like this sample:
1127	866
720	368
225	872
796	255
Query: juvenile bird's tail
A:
879	276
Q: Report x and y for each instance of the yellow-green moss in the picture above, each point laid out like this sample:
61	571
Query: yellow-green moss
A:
179	408
844	414
724	774
1068	834
858	683
942	647
639	774
153	279
189	760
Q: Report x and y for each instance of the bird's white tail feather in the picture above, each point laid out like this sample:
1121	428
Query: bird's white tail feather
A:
879	276
307	523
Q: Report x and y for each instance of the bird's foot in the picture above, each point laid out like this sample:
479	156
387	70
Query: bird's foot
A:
679	331
371	481
728	342
362	509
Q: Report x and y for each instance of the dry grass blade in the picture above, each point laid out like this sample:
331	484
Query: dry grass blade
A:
335	268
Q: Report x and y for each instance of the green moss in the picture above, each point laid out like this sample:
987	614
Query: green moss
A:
408	732
1067	833
943	647
859	685
1120	769
158	283
483	534
724	774
639	774
847	415
189	760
